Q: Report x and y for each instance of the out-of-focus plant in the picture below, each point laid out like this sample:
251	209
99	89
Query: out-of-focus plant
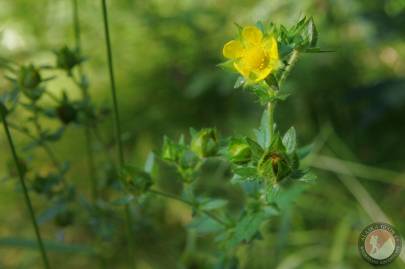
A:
24	111
265	166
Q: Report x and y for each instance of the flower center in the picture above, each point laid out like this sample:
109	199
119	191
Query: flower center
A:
255	58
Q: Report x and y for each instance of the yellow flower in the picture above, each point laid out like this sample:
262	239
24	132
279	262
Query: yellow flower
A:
254	56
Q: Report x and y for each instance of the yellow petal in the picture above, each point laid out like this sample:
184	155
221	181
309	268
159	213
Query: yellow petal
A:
252	35
242	68
271	47
262	74
233	49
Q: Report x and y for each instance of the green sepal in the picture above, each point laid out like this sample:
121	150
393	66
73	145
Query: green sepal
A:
205	143
135	180
228	66
67	58
239	151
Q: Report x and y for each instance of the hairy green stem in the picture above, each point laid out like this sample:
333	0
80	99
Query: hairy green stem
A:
117	127
292	60
174	197
270	110
290	64
25	191
87	131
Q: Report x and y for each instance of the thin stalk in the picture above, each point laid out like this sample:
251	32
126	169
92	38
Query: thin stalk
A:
272	105
270	110
87	131
25	191
174	197
76	25
112	82
290	64
117	127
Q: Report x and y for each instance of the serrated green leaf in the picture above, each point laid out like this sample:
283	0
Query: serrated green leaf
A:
290	140
257	150
246	172
247	227
205	225
263	133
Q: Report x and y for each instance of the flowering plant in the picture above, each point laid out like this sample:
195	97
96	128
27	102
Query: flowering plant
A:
264	165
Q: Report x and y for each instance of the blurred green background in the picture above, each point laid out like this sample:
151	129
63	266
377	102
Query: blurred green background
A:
350	102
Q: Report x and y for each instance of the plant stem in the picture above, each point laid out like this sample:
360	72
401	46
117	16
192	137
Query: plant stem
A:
87	131
25	191
76	25
272	105
174	197
290	64
270	110
128	215
112	82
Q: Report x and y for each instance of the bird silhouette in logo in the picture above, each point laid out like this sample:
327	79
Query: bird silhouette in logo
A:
374	244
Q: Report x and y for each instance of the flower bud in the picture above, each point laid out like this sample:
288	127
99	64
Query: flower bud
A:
239	151
66	113
205	143
275	165
67	58
29	77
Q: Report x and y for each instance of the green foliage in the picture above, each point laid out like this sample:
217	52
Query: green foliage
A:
264	169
